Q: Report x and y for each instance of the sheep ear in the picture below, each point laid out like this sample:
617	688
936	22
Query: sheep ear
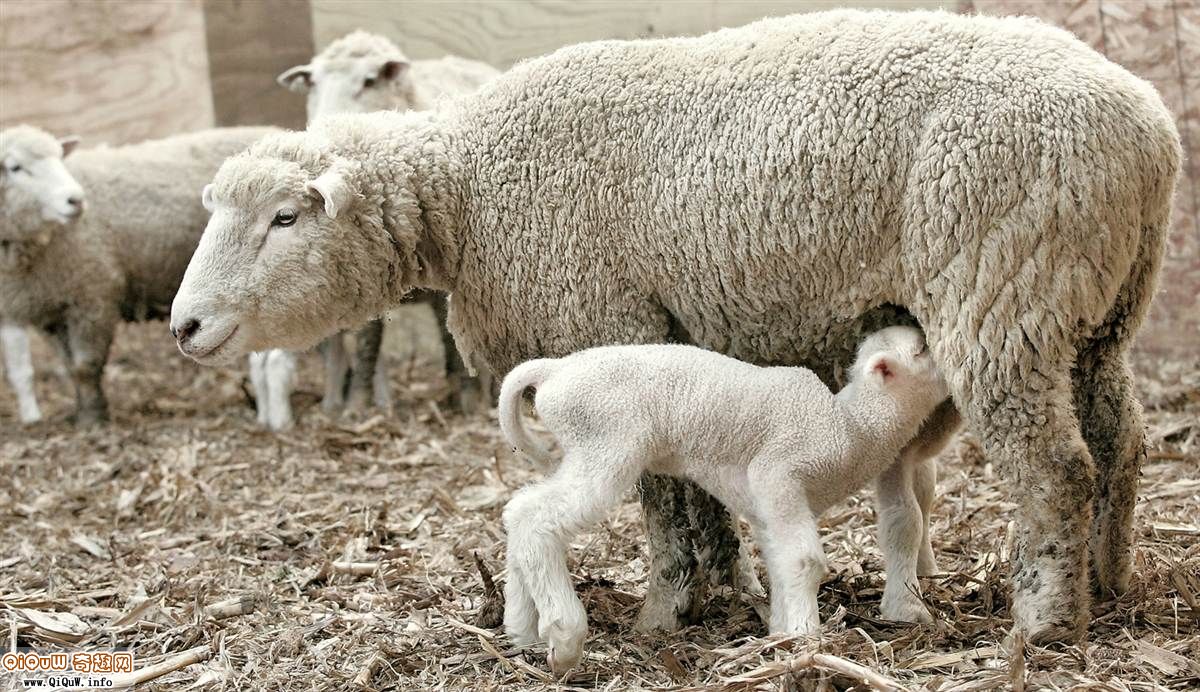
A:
393	69
206	198
68	144
298	78
333	189
882	367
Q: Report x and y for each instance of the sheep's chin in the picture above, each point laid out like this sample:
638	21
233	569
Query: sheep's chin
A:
227	347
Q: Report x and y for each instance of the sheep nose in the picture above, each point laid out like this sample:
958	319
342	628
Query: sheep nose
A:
186	330
74	205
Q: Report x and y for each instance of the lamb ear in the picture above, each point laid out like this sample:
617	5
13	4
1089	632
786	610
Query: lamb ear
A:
206	198
881	366
68	144
393	69
298	78
333	189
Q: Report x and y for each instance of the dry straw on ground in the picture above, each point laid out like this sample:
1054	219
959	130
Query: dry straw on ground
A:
354	555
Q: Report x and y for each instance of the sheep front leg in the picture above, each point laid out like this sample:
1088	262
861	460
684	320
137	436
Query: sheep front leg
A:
672	568
258	382
901	538
19	366
467	394
86	345
363	380
337	367
925	489
796	565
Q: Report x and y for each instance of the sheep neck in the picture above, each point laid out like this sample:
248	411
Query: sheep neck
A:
880	426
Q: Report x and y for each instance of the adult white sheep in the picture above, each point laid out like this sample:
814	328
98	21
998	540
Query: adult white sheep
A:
360	73
775	445
767	192
121	259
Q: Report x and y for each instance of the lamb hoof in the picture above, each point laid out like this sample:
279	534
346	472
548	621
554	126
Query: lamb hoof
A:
564	656
29	417
906	610
926	565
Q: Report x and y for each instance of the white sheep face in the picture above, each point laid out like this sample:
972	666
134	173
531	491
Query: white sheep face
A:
35	183
357	85
270	270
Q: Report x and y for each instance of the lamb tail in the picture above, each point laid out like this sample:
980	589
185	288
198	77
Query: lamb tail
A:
530	374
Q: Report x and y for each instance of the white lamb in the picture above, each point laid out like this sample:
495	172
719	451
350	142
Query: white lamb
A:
773	444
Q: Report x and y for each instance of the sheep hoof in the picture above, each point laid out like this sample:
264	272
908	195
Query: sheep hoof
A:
564	656
656	619
906	610
89	417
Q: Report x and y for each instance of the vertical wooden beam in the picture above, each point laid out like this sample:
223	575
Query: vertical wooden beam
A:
249	43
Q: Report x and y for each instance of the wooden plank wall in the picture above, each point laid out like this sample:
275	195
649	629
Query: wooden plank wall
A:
503	32
109	71
249	43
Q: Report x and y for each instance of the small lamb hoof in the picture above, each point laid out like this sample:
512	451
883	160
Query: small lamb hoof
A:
906	611
562	659
89	418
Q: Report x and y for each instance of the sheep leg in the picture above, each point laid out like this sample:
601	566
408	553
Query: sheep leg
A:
717	547
1112	427
541	520
1033	435
19	366
925	489
86	345
673	562
281	379
337	367
901	538
796	564
467	393
258	382
368	341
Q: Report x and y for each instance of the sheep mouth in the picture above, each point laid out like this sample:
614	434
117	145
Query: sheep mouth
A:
217	348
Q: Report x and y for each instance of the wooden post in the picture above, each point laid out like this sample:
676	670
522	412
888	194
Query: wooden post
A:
249	43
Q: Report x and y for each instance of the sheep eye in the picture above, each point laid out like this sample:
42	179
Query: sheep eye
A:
369	82
285	218
15	168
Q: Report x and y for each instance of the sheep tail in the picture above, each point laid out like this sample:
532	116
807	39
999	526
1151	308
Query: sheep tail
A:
524	376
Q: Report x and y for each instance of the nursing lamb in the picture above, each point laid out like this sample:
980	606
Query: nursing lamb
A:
775	445
772	193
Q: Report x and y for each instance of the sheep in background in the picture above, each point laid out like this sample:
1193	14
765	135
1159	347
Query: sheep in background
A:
76	275
360	73
770	192
36	192
775	445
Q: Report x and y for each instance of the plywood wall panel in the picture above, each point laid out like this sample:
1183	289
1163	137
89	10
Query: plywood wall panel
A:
504	32
109	71
249	43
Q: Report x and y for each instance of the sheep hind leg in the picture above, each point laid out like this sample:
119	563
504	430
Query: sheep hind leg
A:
795	564
1112	426
258	382
673	563
718	548
541	520
1034	437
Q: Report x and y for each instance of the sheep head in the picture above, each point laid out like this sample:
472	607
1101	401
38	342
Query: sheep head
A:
358	73
36	189
897	362
292	253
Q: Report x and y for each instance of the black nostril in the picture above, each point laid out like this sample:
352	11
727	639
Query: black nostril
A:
75	201
184	332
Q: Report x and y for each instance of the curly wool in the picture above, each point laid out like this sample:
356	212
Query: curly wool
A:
773	191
